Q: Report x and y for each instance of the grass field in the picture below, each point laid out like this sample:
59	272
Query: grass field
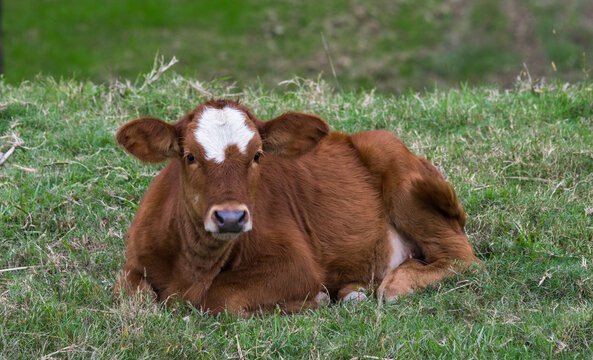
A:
521	161
390	45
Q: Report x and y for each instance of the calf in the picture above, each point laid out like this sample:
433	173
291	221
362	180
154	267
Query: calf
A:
251	214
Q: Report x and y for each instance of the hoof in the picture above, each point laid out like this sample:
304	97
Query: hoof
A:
322	299
355	297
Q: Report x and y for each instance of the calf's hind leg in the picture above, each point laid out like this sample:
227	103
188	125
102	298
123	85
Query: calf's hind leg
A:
422	207
414	275
427	211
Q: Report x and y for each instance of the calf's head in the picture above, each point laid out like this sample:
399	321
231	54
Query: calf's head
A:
220	145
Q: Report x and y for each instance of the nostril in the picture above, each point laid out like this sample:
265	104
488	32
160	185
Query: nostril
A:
242	219
219	218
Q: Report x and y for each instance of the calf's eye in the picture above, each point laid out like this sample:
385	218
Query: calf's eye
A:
190	158
257	156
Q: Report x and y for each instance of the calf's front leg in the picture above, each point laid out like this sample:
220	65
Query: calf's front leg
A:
291	284
133	281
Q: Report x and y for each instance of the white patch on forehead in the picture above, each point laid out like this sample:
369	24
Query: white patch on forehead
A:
219	128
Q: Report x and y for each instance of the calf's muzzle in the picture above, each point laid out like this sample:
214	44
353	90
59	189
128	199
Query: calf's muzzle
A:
228	219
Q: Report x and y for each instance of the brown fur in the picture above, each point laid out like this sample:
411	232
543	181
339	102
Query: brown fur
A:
321	204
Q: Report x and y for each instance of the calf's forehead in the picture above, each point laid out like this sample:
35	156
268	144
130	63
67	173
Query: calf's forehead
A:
217	129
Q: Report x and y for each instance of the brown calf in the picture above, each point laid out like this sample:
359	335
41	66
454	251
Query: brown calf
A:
251	214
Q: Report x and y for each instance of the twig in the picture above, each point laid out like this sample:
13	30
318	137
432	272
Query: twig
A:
6	155
35	147
239	348
155	73
125	200
16	142
24	168
557	186
547	275
65	349
69	163
420	147
197	86
524	178
21	268
528	75
331	63
457	288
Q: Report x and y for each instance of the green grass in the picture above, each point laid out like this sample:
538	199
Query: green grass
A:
521	162
393	46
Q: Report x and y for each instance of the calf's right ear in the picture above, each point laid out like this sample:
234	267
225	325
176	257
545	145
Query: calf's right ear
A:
149	139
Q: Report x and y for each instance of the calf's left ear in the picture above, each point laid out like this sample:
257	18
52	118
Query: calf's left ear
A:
149	139
292	134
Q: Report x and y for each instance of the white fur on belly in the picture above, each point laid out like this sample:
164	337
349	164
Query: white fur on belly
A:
400	249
